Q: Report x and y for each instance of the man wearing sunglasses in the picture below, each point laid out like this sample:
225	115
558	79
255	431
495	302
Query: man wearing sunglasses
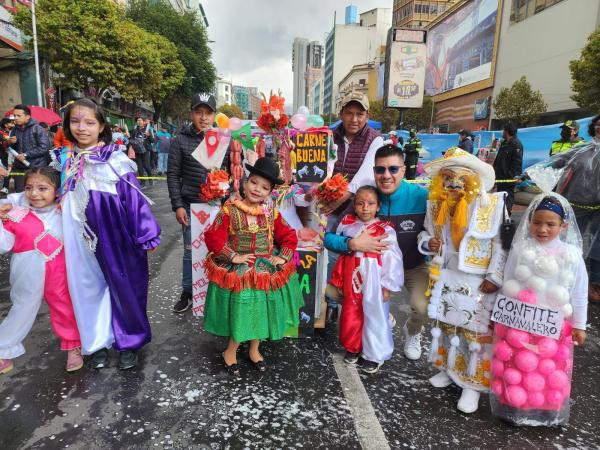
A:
404	205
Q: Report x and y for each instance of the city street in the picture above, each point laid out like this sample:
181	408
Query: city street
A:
181	397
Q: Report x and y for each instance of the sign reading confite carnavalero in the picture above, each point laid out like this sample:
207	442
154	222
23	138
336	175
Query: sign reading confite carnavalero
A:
406	57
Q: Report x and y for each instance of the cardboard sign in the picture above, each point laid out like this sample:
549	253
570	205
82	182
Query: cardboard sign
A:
527	317
202	215
311	157
307	263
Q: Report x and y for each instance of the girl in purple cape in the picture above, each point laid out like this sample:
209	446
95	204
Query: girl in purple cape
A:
108	228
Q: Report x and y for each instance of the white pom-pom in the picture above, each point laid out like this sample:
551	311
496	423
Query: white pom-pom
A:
432	311
566	278
437	260
558	296
511	288
435	342
546	267
567	310
522	273
569	258
537	284
454	342
528	255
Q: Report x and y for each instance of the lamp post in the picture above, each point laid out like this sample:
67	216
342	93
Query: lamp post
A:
38	81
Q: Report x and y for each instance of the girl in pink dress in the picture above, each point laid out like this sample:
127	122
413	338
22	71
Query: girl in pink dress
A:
32	230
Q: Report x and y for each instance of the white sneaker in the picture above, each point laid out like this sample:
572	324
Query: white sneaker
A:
440	380
469	401
412	345
392	320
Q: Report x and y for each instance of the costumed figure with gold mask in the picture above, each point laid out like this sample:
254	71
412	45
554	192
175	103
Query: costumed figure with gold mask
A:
462	233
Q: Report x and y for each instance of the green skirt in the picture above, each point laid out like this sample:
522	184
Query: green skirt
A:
253	313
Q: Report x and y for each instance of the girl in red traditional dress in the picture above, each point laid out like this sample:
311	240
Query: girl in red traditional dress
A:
254	292
365	281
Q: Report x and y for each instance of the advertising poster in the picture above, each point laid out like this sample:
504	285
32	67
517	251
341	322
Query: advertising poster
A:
202	215
406	81
460	48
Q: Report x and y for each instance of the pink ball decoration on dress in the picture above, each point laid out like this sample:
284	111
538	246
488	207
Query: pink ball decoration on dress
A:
546	366
546	347
567	329
536	399
557	380
497	367
568	341
500	330
512	376
527	296
554	398
516	396
526	360
563	352
517	338
503	351
534	382
497	387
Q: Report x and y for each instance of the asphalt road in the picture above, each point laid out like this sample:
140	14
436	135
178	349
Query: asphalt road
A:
180	396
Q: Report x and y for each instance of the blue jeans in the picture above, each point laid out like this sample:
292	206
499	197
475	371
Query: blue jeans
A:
186	272
162	162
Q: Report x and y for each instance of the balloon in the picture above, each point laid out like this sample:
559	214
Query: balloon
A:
299	122
557	380
500	330
222	120
497	387
546	366
516	396
562	353
224	132
315	121
554	398
526	360
512	376
497	367
536	399
303	111
534	382
235	124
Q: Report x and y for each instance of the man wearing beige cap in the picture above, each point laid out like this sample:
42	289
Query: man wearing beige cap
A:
356	144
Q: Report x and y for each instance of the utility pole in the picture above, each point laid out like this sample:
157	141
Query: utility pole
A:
38	81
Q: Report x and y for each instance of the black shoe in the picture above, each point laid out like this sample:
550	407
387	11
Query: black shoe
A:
351	358
127	360
331	316
261	365
232	369
99	359
184	303
369	366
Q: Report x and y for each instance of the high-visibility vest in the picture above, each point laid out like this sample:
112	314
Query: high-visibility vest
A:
562	146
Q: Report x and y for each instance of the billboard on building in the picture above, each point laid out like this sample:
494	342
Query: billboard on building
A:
460	47
406	56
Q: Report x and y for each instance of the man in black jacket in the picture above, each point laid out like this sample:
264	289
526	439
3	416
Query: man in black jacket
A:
185	175
141	141
30	141
508	164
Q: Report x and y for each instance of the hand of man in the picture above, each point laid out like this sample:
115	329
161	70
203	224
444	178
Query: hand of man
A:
331	207
368	243
182	217
3	172
20	157
434	244
487	287
579	336
12	140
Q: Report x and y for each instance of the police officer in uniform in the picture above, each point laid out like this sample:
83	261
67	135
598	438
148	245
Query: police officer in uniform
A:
411	149
568	138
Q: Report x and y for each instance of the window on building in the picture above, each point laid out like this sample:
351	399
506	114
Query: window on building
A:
522	9
362	82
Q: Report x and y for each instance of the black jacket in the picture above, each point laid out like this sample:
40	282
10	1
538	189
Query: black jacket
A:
139	137
34	142
185	175
509	161
466	145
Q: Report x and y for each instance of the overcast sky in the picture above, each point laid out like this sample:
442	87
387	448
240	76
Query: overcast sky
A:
253	38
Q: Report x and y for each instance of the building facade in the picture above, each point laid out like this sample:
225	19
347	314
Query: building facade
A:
418	13
224	92
538	39
350	44
307	60
359	78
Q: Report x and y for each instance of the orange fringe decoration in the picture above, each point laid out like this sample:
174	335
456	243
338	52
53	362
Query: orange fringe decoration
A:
263	281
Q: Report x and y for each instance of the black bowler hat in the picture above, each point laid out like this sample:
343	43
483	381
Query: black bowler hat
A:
266	168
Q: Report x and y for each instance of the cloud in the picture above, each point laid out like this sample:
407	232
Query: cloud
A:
253	39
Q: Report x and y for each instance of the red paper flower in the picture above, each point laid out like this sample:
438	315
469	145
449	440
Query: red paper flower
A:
332	189
216	186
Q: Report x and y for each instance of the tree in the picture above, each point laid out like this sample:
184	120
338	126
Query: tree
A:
585	73
189	35
89	43
519	104
389	117
231	111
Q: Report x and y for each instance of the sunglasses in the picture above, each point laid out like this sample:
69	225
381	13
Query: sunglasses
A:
380	170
